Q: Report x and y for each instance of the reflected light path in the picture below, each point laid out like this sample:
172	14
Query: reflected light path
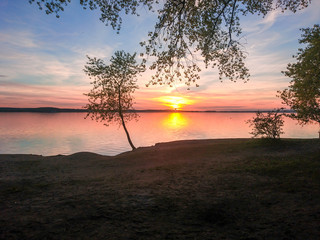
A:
176	121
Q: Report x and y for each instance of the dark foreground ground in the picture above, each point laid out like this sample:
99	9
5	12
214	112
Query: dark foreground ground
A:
204	189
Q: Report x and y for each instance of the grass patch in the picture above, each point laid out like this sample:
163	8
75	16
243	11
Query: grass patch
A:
292	173
206	189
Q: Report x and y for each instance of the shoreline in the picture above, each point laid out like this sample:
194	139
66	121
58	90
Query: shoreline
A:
193	189
174	142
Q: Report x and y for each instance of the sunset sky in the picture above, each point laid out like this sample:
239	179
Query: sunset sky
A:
42	59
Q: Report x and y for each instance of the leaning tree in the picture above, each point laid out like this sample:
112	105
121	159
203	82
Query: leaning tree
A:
110	99
187	30
303	94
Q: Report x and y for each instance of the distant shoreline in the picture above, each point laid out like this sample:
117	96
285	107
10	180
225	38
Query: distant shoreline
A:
72	110
41	110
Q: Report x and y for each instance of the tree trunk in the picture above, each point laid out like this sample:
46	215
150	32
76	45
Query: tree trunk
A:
122	119
127	133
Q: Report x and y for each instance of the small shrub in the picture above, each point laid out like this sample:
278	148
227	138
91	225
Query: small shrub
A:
268	126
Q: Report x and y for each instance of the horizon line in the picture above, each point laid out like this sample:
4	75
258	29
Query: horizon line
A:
57	110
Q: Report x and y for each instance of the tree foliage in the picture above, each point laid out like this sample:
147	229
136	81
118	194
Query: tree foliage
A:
187	31
269	125
113	86
303	94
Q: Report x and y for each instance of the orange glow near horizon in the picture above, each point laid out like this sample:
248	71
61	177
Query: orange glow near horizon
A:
174	102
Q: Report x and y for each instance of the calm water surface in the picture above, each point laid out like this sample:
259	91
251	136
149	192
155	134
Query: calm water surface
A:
66	133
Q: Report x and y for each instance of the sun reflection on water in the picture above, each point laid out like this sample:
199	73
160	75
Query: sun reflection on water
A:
176	121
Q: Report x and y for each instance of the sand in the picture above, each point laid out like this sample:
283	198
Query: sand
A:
201	189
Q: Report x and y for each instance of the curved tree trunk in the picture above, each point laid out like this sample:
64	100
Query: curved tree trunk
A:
122	120
127	133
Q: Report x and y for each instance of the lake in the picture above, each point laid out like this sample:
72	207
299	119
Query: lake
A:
67	133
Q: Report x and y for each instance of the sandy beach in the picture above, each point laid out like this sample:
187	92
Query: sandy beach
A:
197	189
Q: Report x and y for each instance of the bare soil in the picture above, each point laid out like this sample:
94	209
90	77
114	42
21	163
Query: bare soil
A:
201	189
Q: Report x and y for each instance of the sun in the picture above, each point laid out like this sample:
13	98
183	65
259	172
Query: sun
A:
175	106
175	102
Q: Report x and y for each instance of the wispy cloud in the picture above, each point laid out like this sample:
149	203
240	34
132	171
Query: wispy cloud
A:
25	58
21	39
24	95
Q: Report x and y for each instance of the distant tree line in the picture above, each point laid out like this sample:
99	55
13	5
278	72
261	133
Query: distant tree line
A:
41	110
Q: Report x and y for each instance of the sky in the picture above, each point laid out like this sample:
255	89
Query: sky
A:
42	59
